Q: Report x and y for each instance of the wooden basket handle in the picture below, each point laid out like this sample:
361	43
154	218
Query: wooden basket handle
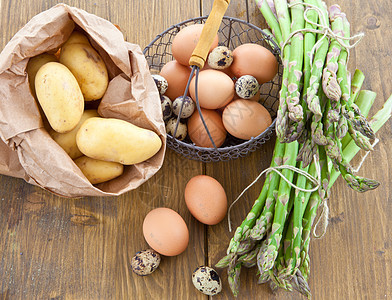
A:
210	29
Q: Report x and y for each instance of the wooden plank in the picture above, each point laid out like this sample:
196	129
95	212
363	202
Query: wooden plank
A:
59	248
352	260
235	175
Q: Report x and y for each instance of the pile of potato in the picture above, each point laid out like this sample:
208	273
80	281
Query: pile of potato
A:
63	83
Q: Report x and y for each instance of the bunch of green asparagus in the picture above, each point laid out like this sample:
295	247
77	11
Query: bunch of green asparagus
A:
321	125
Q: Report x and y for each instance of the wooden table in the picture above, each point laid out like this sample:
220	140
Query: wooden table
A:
58	248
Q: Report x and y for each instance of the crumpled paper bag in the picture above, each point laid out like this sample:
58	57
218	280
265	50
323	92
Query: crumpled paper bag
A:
26	149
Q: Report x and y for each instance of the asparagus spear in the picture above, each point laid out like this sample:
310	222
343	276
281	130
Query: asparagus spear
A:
355	119
356	85
245	246
249	259
307	152
300	284
359	139
263	222
364	100
310	213
263	276
282	12
298	128
331	148
334	151
281	210
296	61
330	85
357	183
271	19
376	122
309	42
317	129
301	199
271	4
318	65
270	38
307	222
279	263
233	276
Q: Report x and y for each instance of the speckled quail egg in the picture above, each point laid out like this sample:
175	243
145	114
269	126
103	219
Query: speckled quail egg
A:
187	109
166	107
182	129
220	58
246	86
145	262
161	83
206	280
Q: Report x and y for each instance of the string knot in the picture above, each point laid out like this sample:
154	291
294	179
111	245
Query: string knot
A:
315	180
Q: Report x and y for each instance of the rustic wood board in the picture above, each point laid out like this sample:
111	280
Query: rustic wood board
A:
57	248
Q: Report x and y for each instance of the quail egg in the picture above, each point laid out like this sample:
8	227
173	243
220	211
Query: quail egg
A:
161	83
220	58
182	129
207	280
145	262
246	86
166	107
187	109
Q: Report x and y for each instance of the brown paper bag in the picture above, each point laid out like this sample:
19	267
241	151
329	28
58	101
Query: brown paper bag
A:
27	150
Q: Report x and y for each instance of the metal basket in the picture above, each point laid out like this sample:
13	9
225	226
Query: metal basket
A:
232	33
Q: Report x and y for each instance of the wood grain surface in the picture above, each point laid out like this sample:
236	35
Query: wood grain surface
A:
57	248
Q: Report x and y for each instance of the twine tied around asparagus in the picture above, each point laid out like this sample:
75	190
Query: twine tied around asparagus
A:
324	215
316	182
325	30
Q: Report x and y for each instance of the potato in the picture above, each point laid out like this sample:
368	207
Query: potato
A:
97	171
117	140
60	96
77	38
34	64
67	140
88	67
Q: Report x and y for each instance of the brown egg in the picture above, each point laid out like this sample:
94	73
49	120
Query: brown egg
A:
206	199
185	42
245	119
228	72
215	89
255	60
177	77
198	133
166	231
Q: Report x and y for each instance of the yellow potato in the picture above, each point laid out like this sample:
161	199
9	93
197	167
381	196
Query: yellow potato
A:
88	67
97	171
60	96
34	64
67	140
117	140
77	38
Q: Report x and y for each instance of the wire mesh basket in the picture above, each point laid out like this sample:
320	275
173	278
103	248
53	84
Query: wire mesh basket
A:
232	33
